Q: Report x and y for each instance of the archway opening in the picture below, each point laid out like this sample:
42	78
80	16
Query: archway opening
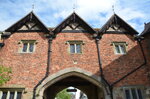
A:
71	93
87	87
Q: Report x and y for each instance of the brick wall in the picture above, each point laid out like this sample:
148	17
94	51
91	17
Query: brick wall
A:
28	69
61	58
146	43
116	66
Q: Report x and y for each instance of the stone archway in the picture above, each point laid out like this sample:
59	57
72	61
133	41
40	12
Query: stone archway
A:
75	77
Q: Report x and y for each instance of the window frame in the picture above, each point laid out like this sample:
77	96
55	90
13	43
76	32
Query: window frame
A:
29	42
75	43
119	44
8	92
136	90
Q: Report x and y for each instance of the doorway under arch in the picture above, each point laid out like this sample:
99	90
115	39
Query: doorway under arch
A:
90	84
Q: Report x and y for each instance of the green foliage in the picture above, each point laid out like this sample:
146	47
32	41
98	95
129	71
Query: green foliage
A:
4	74
63	95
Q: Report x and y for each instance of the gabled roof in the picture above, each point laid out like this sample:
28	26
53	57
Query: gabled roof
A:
29	17
72	19
115	19
146	29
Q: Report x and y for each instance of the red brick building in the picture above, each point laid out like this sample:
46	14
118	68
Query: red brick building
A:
106	63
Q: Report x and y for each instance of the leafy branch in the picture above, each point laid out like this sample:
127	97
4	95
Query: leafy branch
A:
63	95
4	74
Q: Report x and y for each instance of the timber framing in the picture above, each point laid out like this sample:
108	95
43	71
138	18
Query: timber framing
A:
116	20
73	18
28	18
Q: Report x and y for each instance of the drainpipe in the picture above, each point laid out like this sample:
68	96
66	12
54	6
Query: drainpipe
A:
100	64
144	63
50	38
49	56
134	70
110	88
111	91
142	49
97	40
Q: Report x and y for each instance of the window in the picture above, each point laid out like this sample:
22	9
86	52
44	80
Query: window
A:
28	46
133	93
119	47
75	46
10	94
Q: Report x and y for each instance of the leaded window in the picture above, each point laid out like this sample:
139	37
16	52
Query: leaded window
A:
28	46
133	93
75	47
10	93
119	47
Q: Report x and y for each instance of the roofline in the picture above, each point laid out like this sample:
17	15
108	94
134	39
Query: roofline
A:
40	20
145	31
68	18
101	30
24	18
84	21
17	21
128	24
103	27
62	21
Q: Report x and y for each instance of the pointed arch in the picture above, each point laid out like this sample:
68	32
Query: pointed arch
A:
73	71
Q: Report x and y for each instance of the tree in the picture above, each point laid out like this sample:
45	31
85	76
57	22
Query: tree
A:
63	95
4	74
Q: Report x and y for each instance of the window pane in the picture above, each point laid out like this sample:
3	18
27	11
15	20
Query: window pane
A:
19	95
12	95
4	95
31	47
25	47
127	92
78	48
139	94
72	48
122	48
134	96
117	49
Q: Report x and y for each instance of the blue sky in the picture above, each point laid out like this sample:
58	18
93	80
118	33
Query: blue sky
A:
94	12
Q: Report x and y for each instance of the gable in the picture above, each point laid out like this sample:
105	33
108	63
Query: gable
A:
29	23
117	25
146	29
73	24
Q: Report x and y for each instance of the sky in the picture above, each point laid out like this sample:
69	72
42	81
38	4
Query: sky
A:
95	12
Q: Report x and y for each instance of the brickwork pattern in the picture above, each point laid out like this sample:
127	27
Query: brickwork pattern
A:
29	68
